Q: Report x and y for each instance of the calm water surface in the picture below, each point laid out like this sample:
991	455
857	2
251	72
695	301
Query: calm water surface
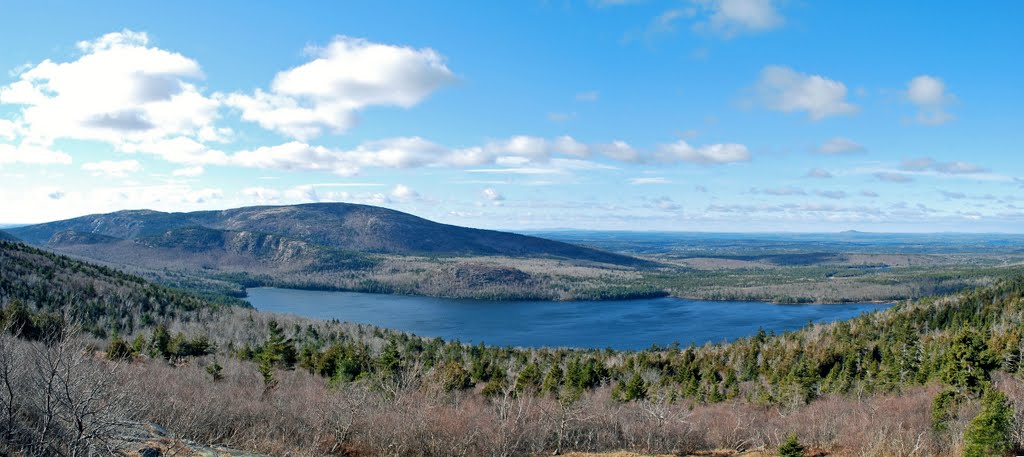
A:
627	324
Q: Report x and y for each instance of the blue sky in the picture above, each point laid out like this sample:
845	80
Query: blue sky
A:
697	115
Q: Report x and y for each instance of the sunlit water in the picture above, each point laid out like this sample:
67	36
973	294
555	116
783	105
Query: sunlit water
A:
626	324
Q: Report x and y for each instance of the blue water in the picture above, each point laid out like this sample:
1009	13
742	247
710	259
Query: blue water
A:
627	324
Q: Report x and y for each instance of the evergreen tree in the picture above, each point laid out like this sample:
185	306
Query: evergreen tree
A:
988	434
215	370
943	407
967	362
635	388
791	447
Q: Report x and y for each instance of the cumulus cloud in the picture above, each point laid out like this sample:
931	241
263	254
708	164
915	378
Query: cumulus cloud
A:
120	89
931	97
568	145
707	154
818	173
840	145
31	154
188	172
113	168
519	155
403	192
9	130
784	89
492	195
180	150
620	150
347	75
729	18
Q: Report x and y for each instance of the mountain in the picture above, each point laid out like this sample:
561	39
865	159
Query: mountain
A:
4	236
342	226
339	246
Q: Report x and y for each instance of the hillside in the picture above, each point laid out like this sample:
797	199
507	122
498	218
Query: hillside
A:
343	247
341	226
913	377
100	298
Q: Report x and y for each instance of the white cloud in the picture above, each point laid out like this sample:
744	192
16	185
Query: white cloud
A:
522	145
519	171
188	172
729	18
346	76
707	154
930	96
181	150
840	145
516	155
120	89
783	89
403	192
651	180
113	168
568	145
9	130
923	164
48	203
620	150
492	195
26	153
589	96
295	155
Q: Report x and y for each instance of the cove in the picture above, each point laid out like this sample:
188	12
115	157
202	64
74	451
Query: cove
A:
623	325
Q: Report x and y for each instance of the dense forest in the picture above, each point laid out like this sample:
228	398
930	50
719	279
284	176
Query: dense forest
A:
934	376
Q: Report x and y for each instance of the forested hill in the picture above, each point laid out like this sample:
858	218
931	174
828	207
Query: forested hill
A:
339	226
54	287
909	377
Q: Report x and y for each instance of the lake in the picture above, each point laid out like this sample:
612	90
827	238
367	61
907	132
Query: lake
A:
625	324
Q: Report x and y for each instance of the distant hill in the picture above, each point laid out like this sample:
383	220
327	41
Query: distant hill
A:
339	246
255	231
4	236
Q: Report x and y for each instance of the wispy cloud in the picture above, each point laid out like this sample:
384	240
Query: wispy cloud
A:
650	180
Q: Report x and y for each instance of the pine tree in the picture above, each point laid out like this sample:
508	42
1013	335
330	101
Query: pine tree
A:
988	434
967	361
791	447
215	370
635	389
